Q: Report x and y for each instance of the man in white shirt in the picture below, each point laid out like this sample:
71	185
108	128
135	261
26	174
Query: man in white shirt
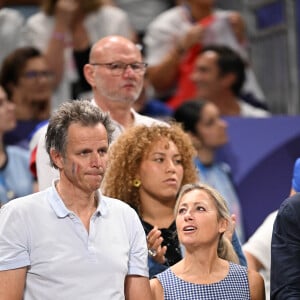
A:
70	241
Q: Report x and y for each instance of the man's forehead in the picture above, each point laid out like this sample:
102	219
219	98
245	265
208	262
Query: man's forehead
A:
115	45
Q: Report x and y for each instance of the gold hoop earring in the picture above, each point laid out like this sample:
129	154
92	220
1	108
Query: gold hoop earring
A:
136	183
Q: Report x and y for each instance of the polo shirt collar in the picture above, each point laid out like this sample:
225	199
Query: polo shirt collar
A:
62	211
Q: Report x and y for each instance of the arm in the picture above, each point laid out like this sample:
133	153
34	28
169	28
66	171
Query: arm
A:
137	287
156	290
163	75
256	285
64	14
12	283
252	262
238	26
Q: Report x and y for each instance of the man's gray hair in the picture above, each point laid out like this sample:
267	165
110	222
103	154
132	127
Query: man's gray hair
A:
75	111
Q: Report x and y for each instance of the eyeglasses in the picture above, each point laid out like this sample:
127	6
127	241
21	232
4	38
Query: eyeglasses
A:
118	68
38	74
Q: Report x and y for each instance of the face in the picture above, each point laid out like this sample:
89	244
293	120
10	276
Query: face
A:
84	162
197	220
206	76
35	83
161	172
211	129
125	87
7	113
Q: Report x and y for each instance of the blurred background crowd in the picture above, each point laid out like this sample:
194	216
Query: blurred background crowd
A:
228	71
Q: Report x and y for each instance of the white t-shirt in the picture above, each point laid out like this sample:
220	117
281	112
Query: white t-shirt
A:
11	23
259	245
65	261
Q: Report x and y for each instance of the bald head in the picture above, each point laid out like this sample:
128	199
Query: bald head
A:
114	48
123	86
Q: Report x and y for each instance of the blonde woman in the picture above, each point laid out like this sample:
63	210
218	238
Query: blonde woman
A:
209	269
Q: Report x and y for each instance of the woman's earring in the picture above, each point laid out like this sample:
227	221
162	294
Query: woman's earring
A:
136	183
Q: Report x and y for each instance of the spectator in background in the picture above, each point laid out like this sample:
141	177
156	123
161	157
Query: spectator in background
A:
219	74
116	73
258	247
209	269
147	105
208	132
148	165
174	39
11	23
64	30
142	12
26	77
15	178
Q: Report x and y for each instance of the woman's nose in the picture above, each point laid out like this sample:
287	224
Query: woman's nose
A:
188	215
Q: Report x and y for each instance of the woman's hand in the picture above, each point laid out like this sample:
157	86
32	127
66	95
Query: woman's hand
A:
155	249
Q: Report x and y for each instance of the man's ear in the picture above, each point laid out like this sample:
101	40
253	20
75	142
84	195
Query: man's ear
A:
56	158
228	80
89	74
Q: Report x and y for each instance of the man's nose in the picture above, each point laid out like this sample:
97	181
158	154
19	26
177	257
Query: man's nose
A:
97	160
128	71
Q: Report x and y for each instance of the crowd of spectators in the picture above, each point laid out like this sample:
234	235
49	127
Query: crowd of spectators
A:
166	72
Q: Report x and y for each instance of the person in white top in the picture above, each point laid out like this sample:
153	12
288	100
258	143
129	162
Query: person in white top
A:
65	30
116	73
11	22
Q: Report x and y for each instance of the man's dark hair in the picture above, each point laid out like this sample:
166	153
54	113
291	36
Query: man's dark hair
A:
229	62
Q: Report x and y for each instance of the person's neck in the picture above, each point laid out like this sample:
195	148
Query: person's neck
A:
205	259
119	111
227	103
157	213
205	155
81	203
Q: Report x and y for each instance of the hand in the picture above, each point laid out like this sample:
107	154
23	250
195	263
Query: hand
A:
154	240
238	26
192	37
230	229
65	12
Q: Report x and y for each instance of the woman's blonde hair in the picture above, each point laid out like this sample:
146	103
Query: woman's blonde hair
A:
225	248
88	6
127	153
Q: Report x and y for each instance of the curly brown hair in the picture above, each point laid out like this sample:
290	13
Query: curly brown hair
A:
127	153
48	6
